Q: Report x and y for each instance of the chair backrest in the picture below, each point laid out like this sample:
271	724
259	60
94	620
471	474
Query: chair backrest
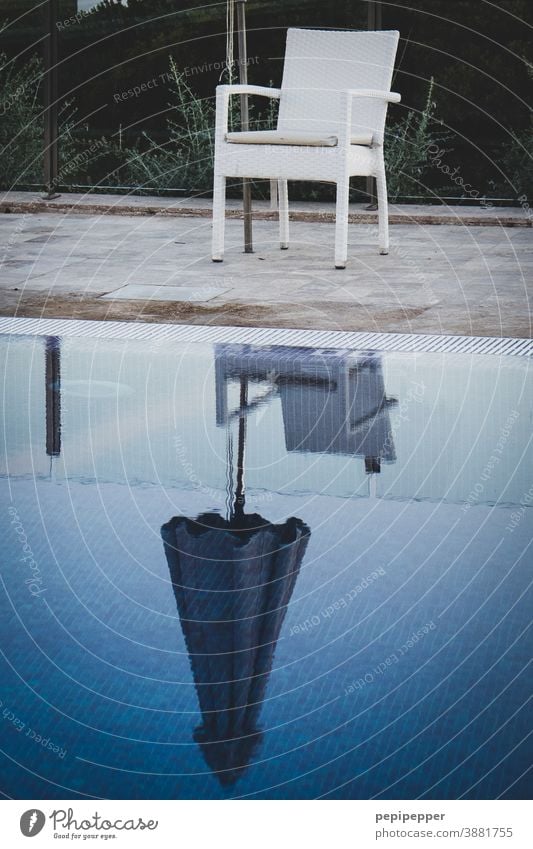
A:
320	64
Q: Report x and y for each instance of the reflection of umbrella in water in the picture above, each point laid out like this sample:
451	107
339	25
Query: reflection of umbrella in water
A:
233	579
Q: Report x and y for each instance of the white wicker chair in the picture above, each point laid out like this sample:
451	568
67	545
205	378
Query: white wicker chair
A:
333	105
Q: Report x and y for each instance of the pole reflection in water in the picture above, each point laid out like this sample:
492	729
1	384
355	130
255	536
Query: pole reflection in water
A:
53	395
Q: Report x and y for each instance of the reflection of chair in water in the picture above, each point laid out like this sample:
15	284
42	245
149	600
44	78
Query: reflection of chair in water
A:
233	579
333	402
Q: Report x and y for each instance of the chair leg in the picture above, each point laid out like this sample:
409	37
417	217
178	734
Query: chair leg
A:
383	211
273	194
219	218
283	195
341	223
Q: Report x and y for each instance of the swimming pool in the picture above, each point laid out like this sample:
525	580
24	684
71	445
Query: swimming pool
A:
264	570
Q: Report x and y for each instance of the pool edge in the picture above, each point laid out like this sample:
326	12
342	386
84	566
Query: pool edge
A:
148	331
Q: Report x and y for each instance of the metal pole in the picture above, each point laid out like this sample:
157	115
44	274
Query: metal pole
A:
50	101
245	122
374	22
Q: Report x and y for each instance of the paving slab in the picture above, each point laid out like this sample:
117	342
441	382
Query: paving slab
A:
143	292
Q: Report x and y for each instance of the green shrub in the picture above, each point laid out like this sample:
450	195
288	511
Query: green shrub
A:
518	164
79	155
21	124
517	158
186	159
406	150
22	132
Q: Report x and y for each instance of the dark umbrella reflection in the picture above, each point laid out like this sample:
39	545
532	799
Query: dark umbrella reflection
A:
233	579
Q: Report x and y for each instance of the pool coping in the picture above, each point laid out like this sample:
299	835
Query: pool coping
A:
147	331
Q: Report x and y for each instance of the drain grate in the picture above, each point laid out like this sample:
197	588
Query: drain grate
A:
408	342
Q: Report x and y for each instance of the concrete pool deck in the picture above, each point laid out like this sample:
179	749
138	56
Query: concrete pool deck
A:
71	258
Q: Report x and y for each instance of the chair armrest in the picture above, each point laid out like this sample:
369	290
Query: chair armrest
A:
389	96
263	90
222	103
348	96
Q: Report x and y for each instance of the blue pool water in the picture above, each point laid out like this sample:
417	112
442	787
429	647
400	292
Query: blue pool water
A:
264	572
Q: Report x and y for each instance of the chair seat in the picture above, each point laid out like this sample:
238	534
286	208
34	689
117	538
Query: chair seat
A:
292	138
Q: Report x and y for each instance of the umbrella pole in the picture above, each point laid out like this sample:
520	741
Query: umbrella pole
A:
374	22
245	123
238	509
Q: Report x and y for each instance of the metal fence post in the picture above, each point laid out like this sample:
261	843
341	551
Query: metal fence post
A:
50	102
